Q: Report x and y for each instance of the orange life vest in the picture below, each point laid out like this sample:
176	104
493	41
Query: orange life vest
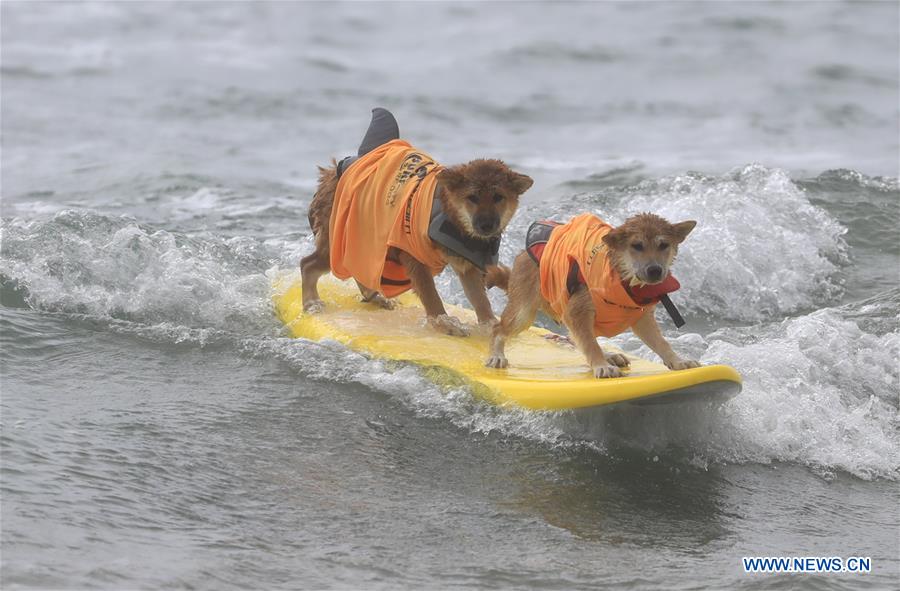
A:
384	199
581	242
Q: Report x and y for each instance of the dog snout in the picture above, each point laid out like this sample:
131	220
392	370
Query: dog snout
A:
487	224
654	272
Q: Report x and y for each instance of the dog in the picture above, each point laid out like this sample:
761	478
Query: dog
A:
392	218
595	279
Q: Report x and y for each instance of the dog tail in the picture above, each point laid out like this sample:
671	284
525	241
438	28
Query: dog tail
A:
328	180
497	276
328	174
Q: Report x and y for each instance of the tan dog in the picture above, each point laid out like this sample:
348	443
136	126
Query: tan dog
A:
395	218
598	280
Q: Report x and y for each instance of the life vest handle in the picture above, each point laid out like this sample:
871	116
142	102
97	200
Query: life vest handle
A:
672	310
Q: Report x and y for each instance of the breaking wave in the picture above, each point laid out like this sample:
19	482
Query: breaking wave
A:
820	387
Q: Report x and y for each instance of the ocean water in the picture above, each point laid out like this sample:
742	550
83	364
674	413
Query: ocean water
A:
159	430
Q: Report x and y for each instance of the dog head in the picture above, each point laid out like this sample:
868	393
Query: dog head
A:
644	247
481	196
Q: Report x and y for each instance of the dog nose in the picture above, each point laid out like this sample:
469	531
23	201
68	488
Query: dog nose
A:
654	272
486	225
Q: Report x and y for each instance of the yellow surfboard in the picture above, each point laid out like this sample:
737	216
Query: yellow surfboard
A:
542	374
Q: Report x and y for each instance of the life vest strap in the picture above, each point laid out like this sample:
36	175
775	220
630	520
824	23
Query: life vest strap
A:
647	294
650	294
676	316
481	253
574	279
536	238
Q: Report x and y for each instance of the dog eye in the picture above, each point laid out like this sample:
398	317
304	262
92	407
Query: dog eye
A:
498	198
473	198
637	246
663	245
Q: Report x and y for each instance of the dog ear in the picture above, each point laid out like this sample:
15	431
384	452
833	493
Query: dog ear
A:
615	238
520	182
682	229
451	178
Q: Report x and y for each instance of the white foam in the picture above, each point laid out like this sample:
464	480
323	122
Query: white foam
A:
819	389
113	267
407	383
760	250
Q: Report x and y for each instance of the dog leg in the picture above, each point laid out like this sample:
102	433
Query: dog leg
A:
648	331
473	285
617	359
312	267
524	294
579	318
423	285
372	296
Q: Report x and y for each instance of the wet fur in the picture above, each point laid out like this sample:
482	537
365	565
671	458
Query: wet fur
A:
643	241
658	240
479	198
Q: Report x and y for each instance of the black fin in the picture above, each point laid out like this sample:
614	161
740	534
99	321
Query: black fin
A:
382	129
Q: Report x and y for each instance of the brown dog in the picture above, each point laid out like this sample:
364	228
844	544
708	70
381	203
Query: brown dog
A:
598	280
393	218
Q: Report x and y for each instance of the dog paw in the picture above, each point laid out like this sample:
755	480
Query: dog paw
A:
314	306
382	302
489	322
559	338
679	363
606	371
617	359
498	361
448	325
